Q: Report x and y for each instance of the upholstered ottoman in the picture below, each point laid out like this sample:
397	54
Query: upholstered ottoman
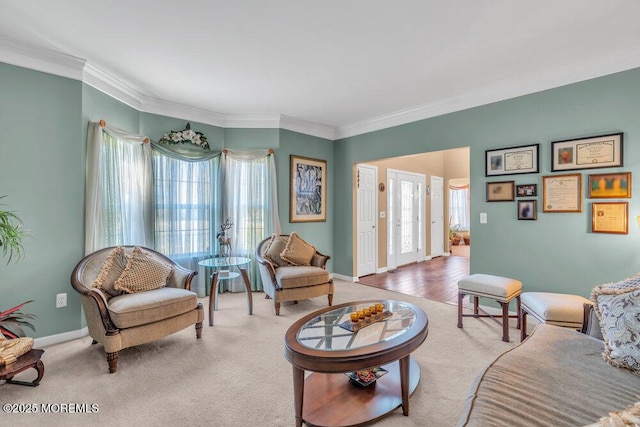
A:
500	289
562	310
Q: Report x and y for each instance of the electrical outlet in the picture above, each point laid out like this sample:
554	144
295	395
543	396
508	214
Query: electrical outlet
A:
61	300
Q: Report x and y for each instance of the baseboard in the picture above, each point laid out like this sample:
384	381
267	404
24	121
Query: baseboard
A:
345	278
381	270
60	338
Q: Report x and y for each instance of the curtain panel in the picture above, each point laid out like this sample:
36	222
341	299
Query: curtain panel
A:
118	211
250	200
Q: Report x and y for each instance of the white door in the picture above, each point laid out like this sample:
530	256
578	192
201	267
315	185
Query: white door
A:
406	218
437	216
367	218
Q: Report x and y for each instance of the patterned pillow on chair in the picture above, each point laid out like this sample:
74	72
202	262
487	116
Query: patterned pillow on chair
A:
111	271
143	273
297	251
618	307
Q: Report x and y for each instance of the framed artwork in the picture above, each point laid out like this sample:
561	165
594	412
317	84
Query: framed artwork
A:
500	191
308	190
610	185
527	190
562	193
511	161
603	151
527	209
610	217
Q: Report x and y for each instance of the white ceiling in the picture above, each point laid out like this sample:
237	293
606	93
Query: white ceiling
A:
349	65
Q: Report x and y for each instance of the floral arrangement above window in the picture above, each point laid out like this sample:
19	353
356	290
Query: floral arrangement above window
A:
186	136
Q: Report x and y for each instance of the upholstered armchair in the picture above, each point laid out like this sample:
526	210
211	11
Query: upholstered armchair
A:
300	275
128	304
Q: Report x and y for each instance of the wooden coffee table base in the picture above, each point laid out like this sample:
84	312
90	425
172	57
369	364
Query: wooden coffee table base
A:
333	400
31	359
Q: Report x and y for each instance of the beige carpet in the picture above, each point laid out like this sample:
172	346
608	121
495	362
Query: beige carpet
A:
236	375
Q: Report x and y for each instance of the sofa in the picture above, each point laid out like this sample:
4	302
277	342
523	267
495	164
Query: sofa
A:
556	377
122	318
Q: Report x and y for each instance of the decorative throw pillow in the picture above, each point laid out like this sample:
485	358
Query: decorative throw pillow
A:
143	273
618	307
627	417
111	270
297	251
274	248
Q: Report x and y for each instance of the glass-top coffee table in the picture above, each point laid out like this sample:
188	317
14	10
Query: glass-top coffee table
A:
222	271
319	343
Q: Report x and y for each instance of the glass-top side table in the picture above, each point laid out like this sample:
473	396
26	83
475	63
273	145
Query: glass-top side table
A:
222	271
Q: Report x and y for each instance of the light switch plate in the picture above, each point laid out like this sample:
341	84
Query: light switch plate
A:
483	217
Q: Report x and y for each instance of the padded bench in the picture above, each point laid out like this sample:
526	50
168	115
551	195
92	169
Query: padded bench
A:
562	310
501	289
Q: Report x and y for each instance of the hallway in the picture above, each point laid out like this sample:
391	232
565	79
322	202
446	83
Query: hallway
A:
435	279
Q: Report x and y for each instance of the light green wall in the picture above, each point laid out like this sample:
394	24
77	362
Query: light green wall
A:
42	172
555	253
320	234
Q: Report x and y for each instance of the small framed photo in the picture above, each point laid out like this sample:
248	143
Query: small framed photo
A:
511	161
500	191
308	190
562	193
527	210
603	151
527	190
610	186
610	217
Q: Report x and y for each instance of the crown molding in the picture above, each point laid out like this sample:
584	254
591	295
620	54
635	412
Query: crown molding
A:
307	127
255	121
37	58
111	85
589	69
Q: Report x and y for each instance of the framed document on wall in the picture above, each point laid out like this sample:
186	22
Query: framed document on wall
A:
603	151
562	193
610	217
511	161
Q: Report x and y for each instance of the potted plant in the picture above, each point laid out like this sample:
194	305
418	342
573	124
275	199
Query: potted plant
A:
12	321
454	235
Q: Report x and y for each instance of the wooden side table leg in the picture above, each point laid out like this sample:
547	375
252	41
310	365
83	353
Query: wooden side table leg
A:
247	284
404	384
298	394
213	296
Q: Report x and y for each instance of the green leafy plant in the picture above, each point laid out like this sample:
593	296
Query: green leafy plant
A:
13	321
11	234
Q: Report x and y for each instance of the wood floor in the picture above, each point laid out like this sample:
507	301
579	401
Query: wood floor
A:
435	279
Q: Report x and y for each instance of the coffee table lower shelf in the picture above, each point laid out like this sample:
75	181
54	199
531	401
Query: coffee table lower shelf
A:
333	400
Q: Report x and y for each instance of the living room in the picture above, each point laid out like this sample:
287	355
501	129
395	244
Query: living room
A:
49	98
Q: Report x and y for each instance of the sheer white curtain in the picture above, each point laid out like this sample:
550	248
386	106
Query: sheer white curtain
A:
459	213
250	199
119	189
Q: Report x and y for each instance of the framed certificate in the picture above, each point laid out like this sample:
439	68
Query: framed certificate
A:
610	217
562	193
511	161
588	153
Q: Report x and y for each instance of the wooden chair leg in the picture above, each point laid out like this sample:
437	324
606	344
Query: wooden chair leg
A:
476	303
505	321
523	325
277	307
460	298
199	330
330	296
518	311
112	360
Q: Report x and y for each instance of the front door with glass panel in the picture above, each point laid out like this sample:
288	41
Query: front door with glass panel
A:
405	223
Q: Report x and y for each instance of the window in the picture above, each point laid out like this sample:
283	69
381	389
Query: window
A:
185	205
459	207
